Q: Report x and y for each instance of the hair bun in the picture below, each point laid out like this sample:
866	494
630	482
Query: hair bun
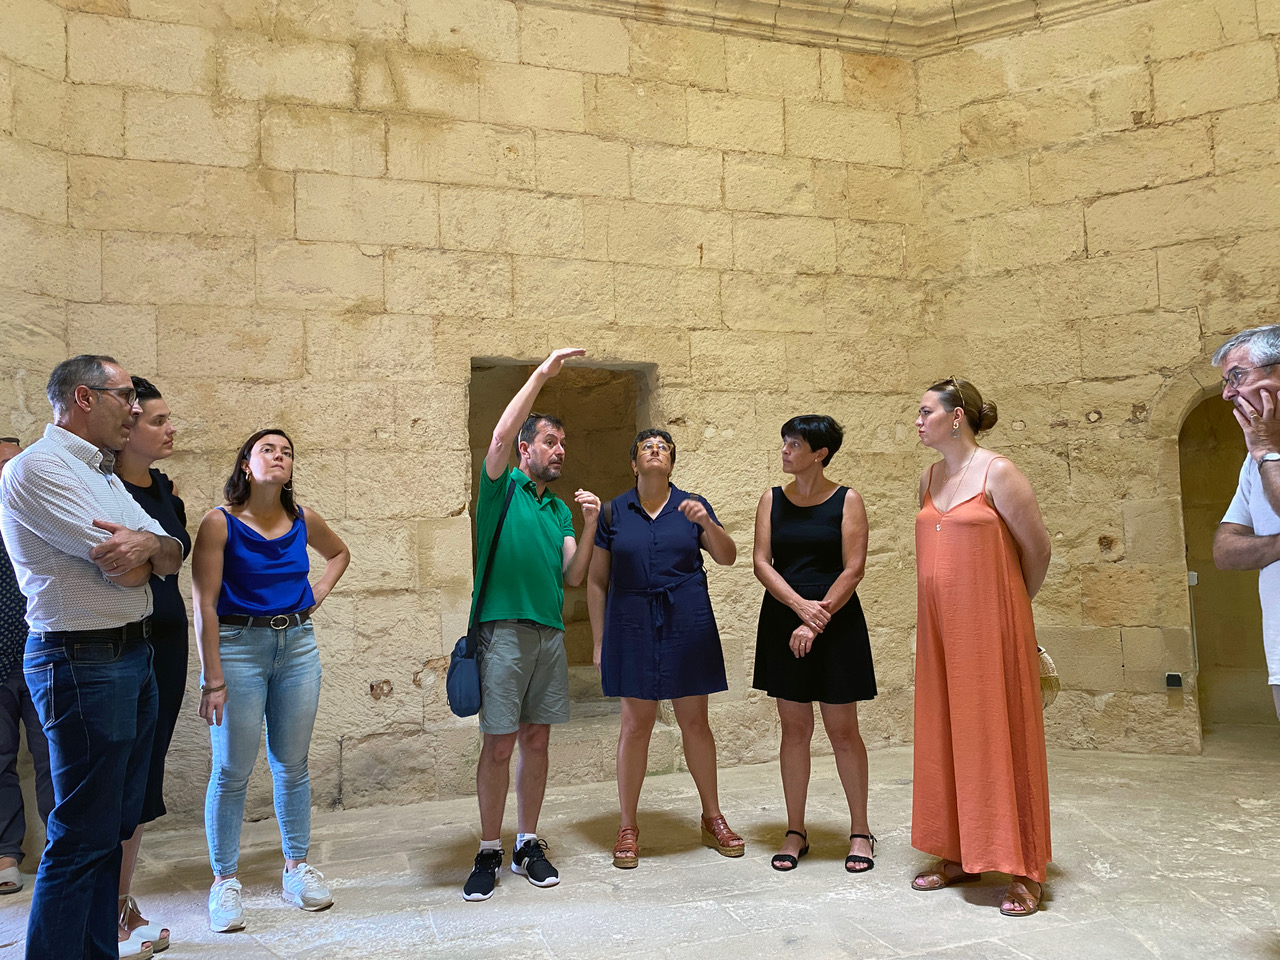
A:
987	416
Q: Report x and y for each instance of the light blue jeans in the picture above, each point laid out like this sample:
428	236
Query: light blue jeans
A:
272	675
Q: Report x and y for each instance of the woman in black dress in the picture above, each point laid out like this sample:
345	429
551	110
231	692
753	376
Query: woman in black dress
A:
811	643
151	439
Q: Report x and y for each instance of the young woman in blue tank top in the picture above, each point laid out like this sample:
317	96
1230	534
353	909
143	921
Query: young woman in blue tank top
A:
253	607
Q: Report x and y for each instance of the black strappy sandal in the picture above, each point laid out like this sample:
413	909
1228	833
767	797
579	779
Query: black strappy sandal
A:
854	858
782	862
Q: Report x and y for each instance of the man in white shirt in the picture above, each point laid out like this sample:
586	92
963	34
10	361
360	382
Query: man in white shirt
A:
83	552
1249	536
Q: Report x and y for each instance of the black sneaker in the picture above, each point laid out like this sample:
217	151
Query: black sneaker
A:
531	862
484	876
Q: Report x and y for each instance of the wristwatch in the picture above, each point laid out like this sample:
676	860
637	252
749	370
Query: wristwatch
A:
1271	457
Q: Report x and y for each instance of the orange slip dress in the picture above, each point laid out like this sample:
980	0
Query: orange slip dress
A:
981	787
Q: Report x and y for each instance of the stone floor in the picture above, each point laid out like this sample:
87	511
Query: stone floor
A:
1155	857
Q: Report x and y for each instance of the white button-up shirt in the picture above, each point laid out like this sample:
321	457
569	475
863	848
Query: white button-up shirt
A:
50	494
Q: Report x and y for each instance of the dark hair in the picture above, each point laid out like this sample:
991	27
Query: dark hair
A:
957	392
236	490
529	429
88	369
146	389
644	435
818	431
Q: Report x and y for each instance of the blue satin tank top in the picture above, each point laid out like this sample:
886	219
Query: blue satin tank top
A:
262	577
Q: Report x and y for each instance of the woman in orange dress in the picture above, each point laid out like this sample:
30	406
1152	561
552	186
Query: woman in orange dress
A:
981	791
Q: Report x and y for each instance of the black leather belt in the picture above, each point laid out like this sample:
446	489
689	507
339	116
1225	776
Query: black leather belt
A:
138	630
279	622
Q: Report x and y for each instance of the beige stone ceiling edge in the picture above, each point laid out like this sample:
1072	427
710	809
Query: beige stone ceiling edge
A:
910	30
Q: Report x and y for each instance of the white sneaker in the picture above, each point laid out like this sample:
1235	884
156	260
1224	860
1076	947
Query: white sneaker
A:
303	886
226	913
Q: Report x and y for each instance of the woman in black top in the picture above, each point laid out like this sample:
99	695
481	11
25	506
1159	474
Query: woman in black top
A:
151	439
811	644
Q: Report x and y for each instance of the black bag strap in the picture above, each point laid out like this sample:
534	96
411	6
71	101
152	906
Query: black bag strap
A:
488	565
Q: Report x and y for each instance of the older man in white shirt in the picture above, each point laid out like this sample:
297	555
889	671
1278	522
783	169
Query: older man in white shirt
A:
84	551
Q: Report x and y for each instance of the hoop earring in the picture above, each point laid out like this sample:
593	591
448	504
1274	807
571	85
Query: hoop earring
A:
955	430
288	486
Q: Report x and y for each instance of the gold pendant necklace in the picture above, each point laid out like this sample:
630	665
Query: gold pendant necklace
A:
959	480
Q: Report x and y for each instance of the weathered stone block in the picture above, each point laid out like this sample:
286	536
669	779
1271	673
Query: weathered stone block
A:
669	236
339	20
509	221
731	122
46	259
168	268
1195	27
870	249
1224	78
1020	238
448	283
738	361
33	33
319	275
179	198
1237	203
1153	531
656	297
125	332
636	110
384	554
36	332
770	184
312	138
683	175
6	96
951	80
1087	658
878	83
879	193
578	164
763	68
860	305
831	131
932	140
1122	162
486	29
248	344
1122	100
1130	345
33	181
367	211
968	190
76	118
444	552
525	96
675	54
378	347
307	407
187	129
1094	47
441	86
254	67
1246	137
783	244
139	53
467	153
1026	122
410	491
573	41
1215	276
554	290
771	302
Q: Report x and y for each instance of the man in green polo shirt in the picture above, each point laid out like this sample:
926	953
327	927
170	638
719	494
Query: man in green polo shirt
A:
524	674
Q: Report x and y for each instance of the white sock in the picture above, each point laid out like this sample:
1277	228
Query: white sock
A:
491	844
522	838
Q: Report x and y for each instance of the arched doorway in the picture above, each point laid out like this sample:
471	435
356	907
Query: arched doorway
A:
1226	617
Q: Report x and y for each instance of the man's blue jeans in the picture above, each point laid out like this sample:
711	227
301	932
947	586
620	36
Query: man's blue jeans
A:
271	675
97	703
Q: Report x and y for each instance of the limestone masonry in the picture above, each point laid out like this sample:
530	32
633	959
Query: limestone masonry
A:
322	214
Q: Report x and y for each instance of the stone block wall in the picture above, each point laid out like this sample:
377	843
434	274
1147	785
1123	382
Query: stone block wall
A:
320	215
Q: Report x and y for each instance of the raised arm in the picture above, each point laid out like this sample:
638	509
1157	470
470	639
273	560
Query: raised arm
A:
322	539
1015	501
206	586
1237	547
517	411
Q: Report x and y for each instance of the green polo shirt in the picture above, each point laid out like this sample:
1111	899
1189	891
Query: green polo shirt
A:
526	582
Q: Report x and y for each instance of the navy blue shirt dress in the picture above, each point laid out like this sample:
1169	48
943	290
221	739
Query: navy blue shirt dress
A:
660	637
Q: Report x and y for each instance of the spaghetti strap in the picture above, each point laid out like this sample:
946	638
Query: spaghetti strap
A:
987	471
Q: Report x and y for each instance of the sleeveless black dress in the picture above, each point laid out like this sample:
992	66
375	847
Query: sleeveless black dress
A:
807	552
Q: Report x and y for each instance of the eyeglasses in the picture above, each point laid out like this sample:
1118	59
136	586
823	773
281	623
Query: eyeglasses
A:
10	440
128	395
1235	376
652	445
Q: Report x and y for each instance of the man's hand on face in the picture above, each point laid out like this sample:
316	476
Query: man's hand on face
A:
1261	425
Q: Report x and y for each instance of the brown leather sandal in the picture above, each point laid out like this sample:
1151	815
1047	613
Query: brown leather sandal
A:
1023	904
626	852
938	877
716	834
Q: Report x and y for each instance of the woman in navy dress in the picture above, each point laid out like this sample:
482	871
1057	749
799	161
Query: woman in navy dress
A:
655	635
151	439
